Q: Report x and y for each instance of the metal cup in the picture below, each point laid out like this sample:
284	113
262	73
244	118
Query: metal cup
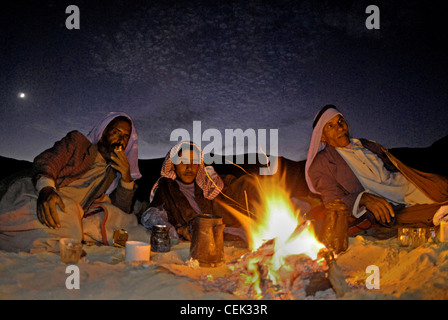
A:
443	232
160	238
412	237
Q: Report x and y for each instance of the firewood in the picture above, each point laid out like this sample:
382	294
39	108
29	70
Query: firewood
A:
337	279
318	282
298	277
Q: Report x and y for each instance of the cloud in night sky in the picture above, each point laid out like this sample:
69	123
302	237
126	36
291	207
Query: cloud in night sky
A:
232	64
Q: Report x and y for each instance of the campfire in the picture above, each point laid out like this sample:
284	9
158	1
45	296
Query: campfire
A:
286	261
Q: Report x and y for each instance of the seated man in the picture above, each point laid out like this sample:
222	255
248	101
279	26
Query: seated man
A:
371	182
186	189
81	188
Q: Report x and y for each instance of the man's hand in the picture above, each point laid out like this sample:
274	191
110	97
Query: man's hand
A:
121	164
184	232
381	209
46	207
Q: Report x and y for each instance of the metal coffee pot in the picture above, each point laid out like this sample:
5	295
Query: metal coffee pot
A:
207	240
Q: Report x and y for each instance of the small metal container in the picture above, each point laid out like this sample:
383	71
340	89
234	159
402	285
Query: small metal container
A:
160	238
443	231
120	237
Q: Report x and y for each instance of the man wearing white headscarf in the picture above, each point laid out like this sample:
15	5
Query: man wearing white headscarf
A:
81	188
371	182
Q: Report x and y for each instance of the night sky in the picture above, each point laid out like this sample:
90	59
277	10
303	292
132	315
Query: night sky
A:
229	64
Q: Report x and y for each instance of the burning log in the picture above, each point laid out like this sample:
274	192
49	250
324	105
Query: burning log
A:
318	282
298	277
334	274
289	265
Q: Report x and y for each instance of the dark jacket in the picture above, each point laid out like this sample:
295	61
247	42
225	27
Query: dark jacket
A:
179	210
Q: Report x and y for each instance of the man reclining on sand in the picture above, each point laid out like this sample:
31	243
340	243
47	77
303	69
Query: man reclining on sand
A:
376	187
81	188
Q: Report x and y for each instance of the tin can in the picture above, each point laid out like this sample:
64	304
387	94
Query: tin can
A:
160	238
120	237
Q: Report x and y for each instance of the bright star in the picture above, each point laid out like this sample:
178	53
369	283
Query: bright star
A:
21	95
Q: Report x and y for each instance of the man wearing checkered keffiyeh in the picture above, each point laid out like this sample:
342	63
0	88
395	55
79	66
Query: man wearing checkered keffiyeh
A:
175	202
210	184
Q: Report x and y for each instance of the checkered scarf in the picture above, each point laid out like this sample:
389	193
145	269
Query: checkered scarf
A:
210	184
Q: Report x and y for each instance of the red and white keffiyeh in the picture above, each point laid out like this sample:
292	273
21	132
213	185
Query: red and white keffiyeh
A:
211	184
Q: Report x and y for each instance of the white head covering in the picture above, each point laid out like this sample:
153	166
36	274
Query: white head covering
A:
131	150
210	184
316	145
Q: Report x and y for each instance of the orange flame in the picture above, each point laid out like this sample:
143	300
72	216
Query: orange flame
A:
276	218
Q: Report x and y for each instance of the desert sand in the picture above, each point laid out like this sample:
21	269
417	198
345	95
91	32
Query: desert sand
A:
404	273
